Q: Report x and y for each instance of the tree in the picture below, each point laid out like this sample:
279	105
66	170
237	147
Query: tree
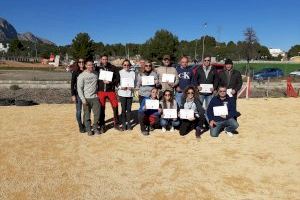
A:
250	39
294	51
163	42
82	46
15	47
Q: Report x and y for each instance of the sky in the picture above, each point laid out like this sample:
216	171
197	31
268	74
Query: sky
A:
277	23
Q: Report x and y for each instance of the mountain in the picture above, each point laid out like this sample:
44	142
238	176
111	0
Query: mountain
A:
8	32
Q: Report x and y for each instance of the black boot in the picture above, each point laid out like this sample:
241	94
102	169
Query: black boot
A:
116	118
81	128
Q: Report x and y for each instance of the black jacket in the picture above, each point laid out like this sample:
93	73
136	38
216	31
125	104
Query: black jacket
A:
216	101
115	80
235	81
200	77
75	75
198	105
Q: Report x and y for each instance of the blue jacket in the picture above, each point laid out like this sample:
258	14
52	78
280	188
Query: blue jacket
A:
216	101
149	111
186	77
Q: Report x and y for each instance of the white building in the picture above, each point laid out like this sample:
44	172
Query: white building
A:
2	48
276	52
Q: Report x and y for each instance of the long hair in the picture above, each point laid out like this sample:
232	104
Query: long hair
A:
196	92
126	60
171	99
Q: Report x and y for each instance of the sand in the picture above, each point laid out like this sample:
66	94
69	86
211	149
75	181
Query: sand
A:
43	156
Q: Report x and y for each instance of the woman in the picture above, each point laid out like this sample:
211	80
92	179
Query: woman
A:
77	69
148	118
168	102
145	90
191	100
125	93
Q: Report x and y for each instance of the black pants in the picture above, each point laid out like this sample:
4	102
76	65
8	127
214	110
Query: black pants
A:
187	125
147	120
126	103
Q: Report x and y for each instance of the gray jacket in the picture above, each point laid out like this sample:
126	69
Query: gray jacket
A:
145	90
87	85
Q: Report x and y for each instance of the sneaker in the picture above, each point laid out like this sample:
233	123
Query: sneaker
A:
172	129
97	132
102	129
151	128
229	133
129	127
90	133
163	129
145	133
199	132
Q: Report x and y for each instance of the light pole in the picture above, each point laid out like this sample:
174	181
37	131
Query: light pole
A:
203	47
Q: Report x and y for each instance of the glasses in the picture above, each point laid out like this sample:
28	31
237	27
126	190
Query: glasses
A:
126	65
207	60
167	95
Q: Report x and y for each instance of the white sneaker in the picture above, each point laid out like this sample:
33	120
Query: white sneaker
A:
172	129
163	129
229	133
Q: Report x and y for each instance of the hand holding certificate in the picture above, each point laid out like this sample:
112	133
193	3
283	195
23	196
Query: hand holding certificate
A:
168	78
206	88
147	80
220	111
186	114
105	75
169	113
127	83
152	104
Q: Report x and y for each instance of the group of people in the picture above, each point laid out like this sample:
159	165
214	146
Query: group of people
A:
171	96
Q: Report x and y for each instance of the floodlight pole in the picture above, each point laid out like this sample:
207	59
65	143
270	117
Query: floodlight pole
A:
203	42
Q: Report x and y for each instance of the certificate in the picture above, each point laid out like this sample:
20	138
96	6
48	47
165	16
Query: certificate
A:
229	92
186	114
152	104
220	110
168	78
127	82
205	88
105	75
170	113
147	80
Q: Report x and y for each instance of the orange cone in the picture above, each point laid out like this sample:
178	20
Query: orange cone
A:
290	91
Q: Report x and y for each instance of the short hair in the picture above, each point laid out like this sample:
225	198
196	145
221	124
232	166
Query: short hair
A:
222	86
184	57
206	56
104	55
88	60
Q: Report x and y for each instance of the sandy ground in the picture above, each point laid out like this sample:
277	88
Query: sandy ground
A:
42	156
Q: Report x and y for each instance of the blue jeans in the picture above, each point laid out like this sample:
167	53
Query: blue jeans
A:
79	111
207	99
229	125
168	122
178	98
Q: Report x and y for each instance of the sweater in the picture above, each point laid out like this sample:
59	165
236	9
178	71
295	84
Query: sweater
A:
87	85
145	90
185	77
217	101
126	74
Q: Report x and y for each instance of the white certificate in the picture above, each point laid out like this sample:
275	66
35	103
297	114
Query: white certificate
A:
147	80
105	75
152	104
229	92
220	110
186	114
127	82
168	78
169	113
205	88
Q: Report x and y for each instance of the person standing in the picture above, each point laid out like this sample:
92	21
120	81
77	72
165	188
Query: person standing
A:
185	74
106	90
167	69
206	74
145	90
87	91
75	98
126	94
227	122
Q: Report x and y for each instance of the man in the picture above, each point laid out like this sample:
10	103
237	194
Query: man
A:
106	89
87	91
185	74
167	69
226	122
206	74
231	78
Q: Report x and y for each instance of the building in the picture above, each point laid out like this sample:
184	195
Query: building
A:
276	52
3	48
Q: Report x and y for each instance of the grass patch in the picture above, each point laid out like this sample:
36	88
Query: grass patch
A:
286	68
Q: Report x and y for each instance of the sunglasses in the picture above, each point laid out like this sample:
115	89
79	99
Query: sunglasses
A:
126	65
190	93
167	94
207	60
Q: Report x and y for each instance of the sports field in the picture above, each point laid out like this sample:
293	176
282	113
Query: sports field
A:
43	156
